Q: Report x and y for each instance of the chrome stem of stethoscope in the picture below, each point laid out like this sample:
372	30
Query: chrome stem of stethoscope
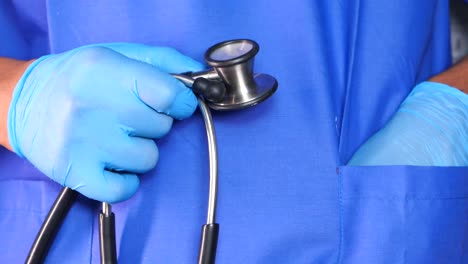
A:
213	158
187	80
212	150
106	209
210	231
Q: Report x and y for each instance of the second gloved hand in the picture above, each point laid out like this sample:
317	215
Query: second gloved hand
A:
430	128
86	118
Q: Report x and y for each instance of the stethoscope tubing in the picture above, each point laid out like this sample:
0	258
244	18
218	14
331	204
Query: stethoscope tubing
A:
210	231
67	196
249	90
51	225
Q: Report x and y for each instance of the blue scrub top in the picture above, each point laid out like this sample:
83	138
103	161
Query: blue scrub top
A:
285	193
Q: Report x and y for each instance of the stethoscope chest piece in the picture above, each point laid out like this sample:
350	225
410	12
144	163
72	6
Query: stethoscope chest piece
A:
233	62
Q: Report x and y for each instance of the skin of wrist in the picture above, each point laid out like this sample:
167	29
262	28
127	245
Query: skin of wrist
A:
456	76
11	71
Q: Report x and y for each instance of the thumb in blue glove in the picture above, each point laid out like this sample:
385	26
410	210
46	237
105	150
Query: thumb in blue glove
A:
87	118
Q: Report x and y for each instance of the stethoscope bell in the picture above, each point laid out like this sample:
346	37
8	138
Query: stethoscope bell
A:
233	62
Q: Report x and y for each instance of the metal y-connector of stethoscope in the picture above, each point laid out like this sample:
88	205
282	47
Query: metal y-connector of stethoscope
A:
230	85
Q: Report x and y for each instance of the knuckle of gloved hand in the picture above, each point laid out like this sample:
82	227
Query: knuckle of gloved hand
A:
87	69
75	106
167	94
118	191
150	155
185	104
115	195
166	126
169	51
92	61
167	54
91	55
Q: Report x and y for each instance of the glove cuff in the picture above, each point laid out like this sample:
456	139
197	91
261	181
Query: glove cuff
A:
11	122
435	87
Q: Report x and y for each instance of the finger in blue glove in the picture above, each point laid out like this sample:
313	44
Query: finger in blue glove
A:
87	118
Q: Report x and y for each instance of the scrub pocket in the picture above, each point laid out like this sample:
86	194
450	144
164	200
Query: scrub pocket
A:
403	214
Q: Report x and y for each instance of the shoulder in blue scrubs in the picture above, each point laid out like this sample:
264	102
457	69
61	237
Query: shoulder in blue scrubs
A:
285	195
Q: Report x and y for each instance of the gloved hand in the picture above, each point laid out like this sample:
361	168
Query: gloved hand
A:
429	129
86	118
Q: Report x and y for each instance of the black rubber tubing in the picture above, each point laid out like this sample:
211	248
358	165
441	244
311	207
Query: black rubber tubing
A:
51	225
107	238
209	243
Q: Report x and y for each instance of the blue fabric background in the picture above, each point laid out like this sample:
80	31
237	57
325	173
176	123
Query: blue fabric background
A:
343	68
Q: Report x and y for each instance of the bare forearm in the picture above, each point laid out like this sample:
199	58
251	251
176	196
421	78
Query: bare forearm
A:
10	72
456	76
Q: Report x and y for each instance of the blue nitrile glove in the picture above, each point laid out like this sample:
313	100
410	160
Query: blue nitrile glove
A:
86	118
429	129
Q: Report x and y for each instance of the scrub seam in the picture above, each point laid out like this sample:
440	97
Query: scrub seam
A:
91	244
366	198
49	29
341	209
349	78
343	120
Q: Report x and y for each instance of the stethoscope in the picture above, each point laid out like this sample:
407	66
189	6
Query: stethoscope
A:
230	84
